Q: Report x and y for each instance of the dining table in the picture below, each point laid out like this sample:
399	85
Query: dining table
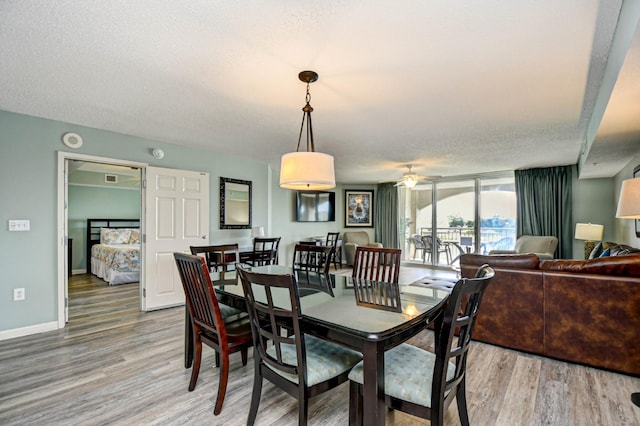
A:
368	316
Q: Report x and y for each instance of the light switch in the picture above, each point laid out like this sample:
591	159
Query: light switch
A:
19	225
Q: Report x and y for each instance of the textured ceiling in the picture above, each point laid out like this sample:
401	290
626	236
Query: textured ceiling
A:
454	88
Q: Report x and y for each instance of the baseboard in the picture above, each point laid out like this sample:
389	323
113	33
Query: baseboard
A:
26	331
78	271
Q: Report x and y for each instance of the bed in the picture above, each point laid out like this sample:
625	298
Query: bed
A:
113	249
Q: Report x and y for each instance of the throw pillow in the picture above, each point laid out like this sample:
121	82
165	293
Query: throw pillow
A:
597	250
605	253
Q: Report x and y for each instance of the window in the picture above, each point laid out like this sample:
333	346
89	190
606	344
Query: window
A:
471	214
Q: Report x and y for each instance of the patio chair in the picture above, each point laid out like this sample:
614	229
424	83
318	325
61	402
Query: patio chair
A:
439	248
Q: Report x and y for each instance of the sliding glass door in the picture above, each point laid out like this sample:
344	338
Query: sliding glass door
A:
447	218
497	214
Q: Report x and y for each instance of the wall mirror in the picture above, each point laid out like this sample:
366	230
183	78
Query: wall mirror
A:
235	203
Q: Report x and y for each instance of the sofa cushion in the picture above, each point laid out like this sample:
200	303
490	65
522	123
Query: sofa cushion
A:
627	265
517	261
597	249
606	252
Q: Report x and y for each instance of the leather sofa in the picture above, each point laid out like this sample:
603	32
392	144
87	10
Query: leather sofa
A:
581	311
353	239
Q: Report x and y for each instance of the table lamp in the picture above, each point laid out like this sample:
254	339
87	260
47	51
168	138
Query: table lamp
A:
258	231
629	208
590	232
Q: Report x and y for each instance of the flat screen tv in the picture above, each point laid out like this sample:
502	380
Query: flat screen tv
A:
316	206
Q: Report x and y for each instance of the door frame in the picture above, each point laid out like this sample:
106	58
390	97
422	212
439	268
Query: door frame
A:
63	221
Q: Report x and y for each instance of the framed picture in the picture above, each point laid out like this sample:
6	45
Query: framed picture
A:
636	173
358	208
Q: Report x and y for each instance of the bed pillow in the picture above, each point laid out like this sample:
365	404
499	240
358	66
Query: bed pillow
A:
135	236
111	236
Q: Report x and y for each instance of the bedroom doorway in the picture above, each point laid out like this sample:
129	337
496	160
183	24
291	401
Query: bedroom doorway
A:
174	215
95	181
107	251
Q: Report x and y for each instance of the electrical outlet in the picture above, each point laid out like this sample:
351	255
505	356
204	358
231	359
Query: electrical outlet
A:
18	294
19	225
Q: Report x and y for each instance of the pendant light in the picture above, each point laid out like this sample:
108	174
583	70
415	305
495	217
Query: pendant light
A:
307	170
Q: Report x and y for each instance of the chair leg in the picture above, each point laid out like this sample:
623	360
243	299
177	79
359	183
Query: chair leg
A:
217	358
355	404
255	395
197	357
461	401
303	409
243	354
222	383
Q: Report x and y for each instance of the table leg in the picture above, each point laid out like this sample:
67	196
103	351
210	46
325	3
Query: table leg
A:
188	339
373	388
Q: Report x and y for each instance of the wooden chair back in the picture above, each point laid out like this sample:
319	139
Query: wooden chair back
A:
332	241
377	264
312	258
209	325
265	251
220	258
459	318
266	318
281	357
202	302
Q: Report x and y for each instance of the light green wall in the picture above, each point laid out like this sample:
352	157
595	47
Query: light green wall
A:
28	169
90	202
593	202
285	225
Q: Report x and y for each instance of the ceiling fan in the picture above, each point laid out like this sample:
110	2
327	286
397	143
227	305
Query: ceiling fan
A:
410	179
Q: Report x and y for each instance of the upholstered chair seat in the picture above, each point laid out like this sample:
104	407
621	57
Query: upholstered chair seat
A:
324	360
408	372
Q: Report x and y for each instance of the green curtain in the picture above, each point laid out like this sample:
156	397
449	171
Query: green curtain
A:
544	205
385	217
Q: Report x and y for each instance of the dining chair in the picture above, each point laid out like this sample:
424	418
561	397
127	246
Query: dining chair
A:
265	251
301	365
332	241
377	264
429	248
312	258
225	336
219	258
422	383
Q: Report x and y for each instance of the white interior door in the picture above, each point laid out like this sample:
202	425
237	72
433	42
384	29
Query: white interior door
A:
67	273
176	204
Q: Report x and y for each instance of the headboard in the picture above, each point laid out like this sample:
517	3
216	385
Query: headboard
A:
93	232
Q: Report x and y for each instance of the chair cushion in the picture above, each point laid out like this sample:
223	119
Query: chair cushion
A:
408	372
324	360
228	312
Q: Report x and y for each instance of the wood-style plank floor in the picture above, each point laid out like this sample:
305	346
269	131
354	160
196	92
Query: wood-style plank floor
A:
114	365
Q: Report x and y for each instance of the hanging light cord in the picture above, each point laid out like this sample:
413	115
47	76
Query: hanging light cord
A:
307	114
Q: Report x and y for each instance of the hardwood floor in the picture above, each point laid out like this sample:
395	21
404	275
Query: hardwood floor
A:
114	365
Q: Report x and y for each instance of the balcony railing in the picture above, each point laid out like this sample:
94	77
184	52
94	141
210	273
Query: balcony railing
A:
463	239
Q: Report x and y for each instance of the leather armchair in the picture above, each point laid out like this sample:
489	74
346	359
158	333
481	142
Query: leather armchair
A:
543	246
353	239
